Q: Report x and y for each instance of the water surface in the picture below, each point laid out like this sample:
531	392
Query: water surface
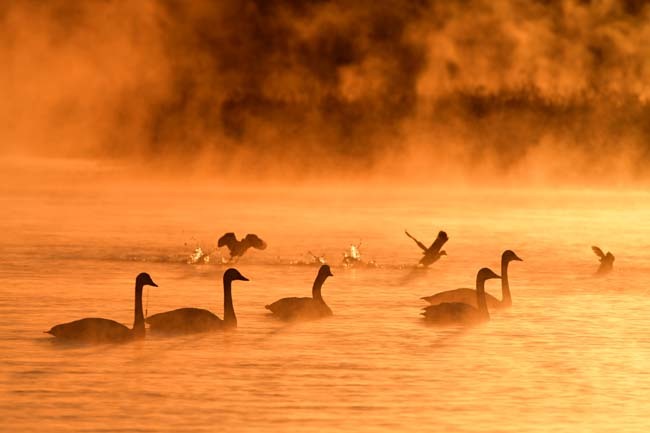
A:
573	354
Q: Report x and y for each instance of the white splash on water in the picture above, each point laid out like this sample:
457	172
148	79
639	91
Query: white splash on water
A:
198	257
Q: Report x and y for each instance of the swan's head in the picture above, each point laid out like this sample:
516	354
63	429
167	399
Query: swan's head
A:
325	272
486	274
144	279
509	255
233	274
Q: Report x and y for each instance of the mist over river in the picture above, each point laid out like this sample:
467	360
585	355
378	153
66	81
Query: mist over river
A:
572	354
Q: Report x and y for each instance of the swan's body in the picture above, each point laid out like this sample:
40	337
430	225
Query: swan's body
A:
238	248
93	330
433	253
606	261
304	308
299	308
463	295
468	296
191	320
98	330
185	321
450	313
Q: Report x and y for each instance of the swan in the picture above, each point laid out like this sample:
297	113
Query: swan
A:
433	253
191	320
449	313
468	296
606	261
304	308
97	330
238	248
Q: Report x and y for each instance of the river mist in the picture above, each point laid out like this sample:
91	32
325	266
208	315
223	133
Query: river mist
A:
525	91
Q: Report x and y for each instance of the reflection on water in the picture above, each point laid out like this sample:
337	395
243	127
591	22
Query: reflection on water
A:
573	354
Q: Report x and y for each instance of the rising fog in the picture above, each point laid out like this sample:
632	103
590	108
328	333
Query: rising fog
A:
541	91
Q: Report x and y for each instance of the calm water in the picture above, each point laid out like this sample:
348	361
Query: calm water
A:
573	354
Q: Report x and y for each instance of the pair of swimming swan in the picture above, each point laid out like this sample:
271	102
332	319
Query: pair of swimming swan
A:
190	320
467	306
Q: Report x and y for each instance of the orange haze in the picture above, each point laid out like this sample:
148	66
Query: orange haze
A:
541	92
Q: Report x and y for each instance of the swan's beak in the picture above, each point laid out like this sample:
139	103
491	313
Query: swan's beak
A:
153	284
243	278
519	259
330	274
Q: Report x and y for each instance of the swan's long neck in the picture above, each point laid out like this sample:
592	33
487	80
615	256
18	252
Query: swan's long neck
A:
316	288
229	318
506	299
480	297
138	322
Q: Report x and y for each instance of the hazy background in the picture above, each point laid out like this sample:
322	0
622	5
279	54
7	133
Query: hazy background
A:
515	91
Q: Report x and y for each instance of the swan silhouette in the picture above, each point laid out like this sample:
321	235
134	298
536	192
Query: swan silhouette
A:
191	320
468	296
238	248
304	308
433	253
449	313
606	261
98	330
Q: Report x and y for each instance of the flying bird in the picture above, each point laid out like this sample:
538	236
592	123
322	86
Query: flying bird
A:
238	248
606	261
433	253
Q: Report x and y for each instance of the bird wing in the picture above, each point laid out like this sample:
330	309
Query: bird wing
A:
228	240
255	242
439	242
420	244
598	252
